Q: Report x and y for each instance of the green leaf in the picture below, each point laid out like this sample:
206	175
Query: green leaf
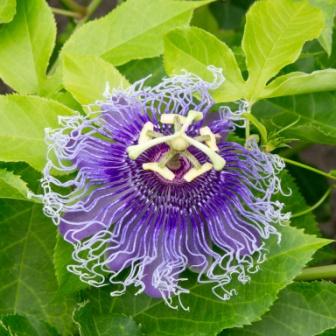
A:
139	69
132	31
3	330
274	35
68	282
313	186
105	324
230	14
7	10
303	309
331	332
296	203
328	8
23	120
313	116
28	284
68	100
299	83
12	186
26	44
29	175
86	77
194	49
22	326
203	18
208	315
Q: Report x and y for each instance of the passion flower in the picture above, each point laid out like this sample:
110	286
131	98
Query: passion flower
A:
147	185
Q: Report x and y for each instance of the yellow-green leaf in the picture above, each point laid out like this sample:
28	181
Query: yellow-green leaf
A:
7	10
23	120
86	77
26	44
328	8
194	49
299	82
12	186
274	35
133	30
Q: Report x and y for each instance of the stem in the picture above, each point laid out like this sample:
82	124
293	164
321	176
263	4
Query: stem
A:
315	170
65	12
247	127
92	7
217	161
83	15
320	272
89	11
135	151
73	5
294	149
259	126
313	207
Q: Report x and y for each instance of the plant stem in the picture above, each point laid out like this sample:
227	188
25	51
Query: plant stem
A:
92	7
247	128
313	207
315	273
89	11
315	170
65	12
82	19
297	147
73	5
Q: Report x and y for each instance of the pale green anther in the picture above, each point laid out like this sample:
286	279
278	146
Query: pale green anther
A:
172	119
211	142
144	134
217	161
166	158
163	171
202	138
195	172
135	151
191	117
191	159
178	143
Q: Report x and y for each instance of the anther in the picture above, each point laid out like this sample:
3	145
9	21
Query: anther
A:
211	142
163	171
195	172
145	133
179	143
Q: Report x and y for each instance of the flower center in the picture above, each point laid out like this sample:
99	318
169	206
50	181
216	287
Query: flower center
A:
178	143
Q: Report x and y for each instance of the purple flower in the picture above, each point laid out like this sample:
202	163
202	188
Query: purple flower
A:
147	185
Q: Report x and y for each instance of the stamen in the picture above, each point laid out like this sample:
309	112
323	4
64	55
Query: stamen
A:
163	171
178	143
154	134
211	143
171	118
195	172
167	157
192	159
202	138
144	134
135	151
217	161
192	116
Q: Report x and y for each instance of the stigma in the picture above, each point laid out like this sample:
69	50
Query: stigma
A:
178	144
